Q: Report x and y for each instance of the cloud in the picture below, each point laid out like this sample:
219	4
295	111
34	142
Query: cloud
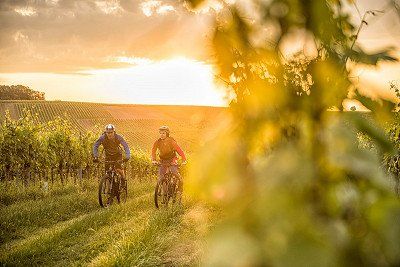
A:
26	11
10	5
109	7
151	7
71	35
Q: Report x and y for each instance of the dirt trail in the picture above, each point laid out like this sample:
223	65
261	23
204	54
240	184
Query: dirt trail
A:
131	234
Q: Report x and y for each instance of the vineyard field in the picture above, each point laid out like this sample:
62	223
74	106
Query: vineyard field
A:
137	123
48	187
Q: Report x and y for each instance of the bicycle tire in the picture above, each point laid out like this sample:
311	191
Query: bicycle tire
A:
163	195
103	200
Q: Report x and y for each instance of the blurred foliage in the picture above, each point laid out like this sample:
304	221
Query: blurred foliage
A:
392	161
296	186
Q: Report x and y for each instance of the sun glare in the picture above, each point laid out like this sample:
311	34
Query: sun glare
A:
176	81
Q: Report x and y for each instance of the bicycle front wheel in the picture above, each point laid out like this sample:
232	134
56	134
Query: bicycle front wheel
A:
161	195
105	193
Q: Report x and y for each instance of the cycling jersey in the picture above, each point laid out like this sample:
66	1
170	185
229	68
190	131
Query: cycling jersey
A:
112	147
167	148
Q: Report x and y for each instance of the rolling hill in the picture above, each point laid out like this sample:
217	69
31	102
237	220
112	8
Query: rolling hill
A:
137	123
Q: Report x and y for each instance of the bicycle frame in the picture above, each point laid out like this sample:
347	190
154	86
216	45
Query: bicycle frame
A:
169	183
111	179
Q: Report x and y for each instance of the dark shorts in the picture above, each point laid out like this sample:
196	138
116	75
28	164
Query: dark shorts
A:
118	165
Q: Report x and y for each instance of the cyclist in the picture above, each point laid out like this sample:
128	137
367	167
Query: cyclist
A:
167	148
112	142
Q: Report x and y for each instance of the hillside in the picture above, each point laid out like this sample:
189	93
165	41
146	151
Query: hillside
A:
137	123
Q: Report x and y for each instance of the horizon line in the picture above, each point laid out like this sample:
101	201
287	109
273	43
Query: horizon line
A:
110	103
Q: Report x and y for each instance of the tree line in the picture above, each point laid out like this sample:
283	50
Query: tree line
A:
20	92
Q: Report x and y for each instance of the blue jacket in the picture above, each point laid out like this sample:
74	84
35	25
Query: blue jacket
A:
111	147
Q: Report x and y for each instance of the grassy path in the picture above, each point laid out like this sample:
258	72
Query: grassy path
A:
67	227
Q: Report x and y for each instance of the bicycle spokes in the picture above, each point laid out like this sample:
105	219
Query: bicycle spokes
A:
167	188
112	185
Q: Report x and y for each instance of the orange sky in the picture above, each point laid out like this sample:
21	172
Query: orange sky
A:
144	51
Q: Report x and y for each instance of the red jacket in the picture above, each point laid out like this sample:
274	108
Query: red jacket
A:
168	148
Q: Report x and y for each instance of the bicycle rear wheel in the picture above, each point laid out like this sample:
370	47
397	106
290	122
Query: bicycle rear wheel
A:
105	192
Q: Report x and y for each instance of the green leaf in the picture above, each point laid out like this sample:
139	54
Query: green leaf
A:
375	105
375	132
358	55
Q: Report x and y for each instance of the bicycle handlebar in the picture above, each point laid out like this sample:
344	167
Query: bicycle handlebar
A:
112	161
168	164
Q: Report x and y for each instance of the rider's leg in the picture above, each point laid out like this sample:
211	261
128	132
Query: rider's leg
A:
161	171
122	173
175	171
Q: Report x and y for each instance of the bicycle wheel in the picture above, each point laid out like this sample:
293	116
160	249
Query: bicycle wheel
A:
105	193
123	191
161	195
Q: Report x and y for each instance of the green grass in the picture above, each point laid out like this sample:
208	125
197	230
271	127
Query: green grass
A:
67	227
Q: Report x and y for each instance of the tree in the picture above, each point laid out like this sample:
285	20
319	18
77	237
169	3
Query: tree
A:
294	184
19	92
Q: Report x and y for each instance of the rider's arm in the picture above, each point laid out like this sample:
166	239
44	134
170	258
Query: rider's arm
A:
96	146
154	150
179	150
125	145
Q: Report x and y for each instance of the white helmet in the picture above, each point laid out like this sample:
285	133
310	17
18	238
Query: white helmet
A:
110	128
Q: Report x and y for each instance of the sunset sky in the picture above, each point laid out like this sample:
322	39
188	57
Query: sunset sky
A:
140	51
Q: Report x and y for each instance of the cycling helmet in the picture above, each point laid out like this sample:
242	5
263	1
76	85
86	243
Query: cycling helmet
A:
110	128
164	128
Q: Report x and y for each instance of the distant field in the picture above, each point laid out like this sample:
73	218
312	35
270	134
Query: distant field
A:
138	123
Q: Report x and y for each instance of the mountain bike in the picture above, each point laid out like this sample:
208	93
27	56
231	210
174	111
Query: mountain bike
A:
167	188
112	186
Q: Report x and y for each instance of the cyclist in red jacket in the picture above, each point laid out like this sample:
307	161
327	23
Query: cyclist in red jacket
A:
167	148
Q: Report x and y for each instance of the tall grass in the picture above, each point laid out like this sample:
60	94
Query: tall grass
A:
66	227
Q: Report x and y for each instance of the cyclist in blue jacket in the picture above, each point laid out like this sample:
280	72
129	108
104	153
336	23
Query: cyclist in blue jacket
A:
112	142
